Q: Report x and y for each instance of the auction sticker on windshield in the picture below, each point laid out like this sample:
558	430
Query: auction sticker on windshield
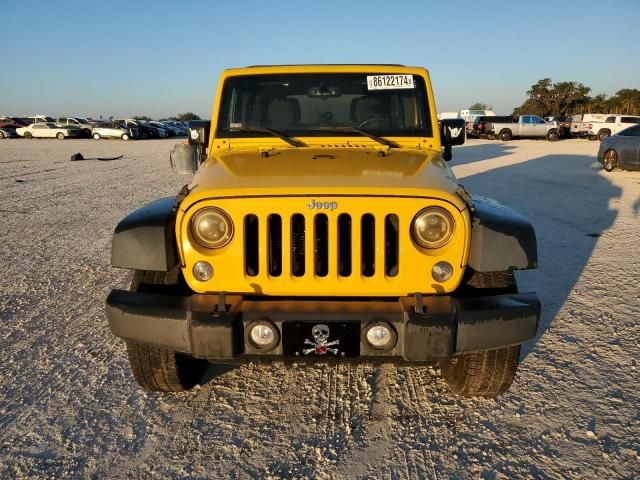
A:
389	82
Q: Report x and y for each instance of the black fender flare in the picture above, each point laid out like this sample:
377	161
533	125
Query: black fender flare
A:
145	239
501	239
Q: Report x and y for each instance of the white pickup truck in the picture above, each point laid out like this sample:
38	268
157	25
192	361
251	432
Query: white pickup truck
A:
524	126
580	123
612	124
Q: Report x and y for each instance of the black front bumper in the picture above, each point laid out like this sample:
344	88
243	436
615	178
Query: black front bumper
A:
206	327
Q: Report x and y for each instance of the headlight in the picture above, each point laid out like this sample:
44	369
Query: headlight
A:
212	227
433	227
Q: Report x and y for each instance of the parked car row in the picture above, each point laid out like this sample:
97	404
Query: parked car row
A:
591	126
42	126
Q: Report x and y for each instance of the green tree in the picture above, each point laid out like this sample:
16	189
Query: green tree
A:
546	98
144	118
186	117
480	106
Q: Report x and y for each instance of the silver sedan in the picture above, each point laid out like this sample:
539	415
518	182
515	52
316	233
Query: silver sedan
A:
621	150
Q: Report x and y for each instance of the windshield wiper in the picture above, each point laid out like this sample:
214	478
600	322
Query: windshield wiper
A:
273	133
364	133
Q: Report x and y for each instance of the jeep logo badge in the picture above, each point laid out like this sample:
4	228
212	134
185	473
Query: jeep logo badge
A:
314	205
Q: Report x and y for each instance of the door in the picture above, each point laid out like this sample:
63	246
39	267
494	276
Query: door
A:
527	128
627	143
40	130
538	126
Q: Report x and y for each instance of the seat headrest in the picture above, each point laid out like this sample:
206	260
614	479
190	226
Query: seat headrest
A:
365	108
284	112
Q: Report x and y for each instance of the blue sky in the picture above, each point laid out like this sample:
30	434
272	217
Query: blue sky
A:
163	57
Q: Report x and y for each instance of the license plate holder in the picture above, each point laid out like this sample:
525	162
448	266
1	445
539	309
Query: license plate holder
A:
343	339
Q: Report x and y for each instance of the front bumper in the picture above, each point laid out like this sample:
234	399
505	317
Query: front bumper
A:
213	327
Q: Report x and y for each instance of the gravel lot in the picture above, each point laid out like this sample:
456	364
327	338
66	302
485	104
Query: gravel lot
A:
69	405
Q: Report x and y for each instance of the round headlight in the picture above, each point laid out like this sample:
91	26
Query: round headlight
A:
433	227
212	227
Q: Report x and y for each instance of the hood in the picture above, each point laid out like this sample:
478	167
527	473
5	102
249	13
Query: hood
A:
324	171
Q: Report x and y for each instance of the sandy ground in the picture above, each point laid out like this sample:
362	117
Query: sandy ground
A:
70	408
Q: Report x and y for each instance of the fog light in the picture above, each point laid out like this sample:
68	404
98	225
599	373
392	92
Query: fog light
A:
442	271
263	335
203	271
381	336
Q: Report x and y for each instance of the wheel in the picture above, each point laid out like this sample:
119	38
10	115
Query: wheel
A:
159	369
125	136
60	136
506	135
602	134
610	161
96	136
489	373
483	374
1	134
592	137
553	135
28	135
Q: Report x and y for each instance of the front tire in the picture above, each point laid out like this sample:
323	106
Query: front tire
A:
160	369
125	136
610	160
28	136
96	136
506	135
489	373
602	134
483	374
553	135
60	136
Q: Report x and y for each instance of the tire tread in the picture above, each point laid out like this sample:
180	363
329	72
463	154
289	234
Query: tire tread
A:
160	369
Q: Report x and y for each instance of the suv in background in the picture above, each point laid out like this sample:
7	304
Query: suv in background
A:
144	130
76	122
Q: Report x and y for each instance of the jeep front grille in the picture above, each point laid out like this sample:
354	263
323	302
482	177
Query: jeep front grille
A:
321	245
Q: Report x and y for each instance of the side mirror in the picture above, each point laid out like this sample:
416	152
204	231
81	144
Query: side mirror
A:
452	132
199	132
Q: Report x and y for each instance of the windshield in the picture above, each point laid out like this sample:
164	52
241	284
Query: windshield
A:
311	104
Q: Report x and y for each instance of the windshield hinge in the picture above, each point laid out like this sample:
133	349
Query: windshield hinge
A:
266	151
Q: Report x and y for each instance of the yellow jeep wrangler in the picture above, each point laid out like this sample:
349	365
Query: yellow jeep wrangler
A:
324	224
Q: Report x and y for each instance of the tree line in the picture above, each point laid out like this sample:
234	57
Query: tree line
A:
561	99
181	117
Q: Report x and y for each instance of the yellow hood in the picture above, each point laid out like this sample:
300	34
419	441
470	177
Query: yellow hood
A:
324	171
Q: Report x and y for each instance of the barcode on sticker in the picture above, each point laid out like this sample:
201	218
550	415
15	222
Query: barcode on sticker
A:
389	82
